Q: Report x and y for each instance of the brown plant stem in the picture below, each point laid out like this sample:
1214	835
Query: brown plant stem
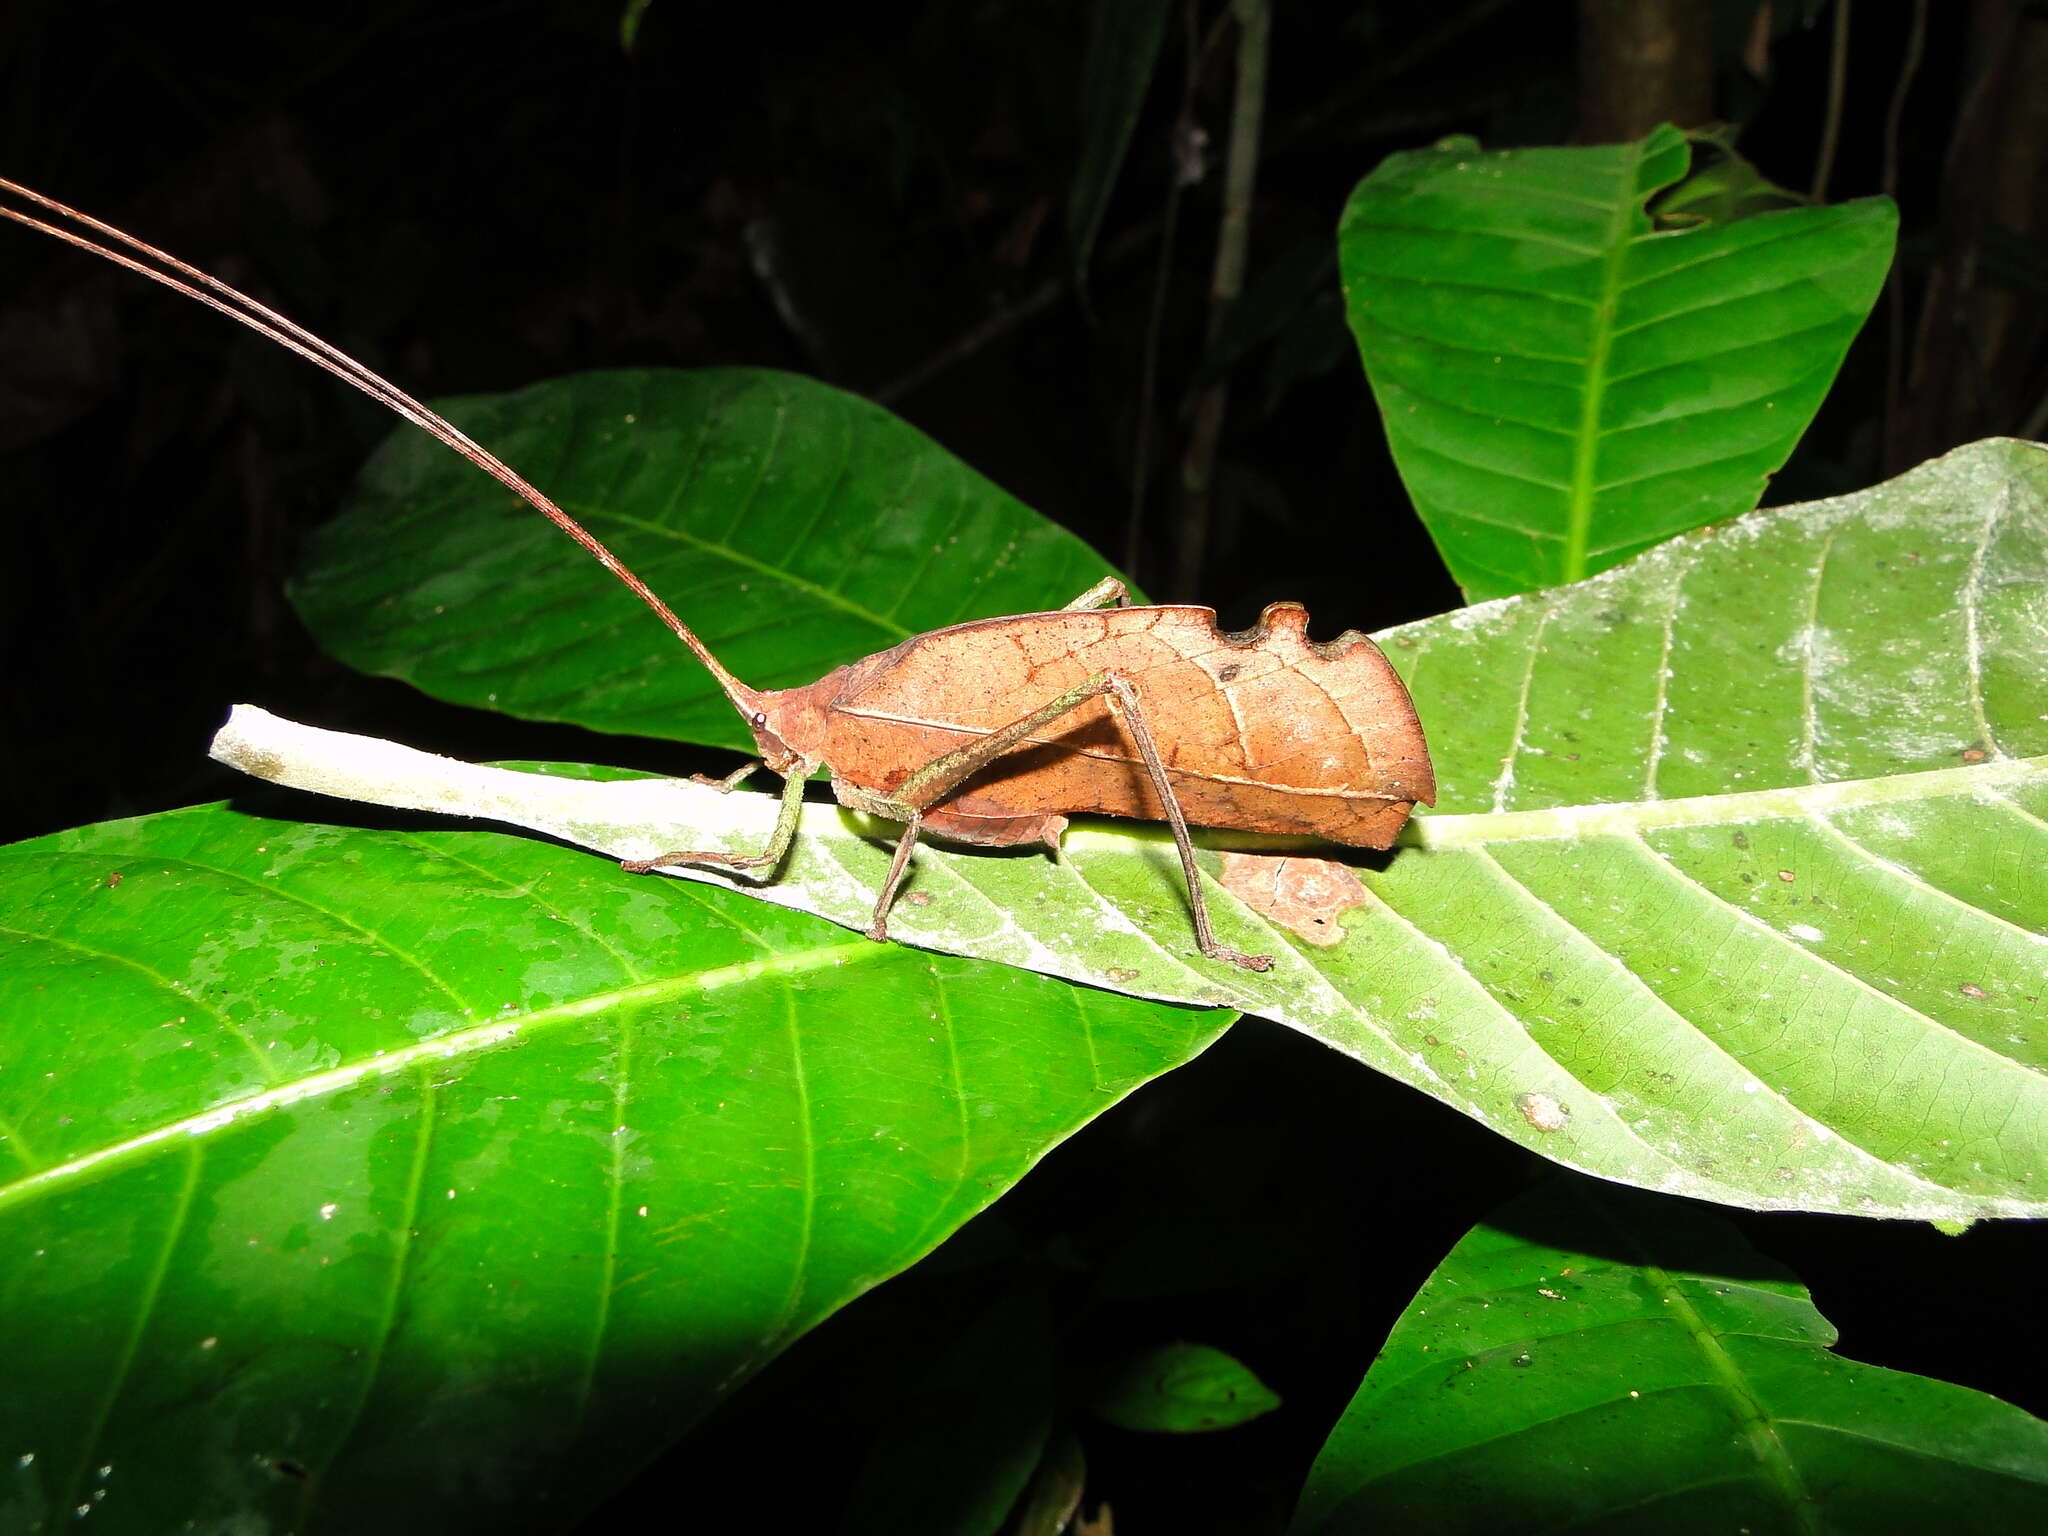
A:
1838	86
1233	239
1895	293
1187	170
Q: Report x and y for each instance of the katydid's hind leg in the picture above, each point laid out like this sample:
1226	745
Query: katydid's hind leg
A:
942	775
945	773
1106	593
778	842
878	925
1126	696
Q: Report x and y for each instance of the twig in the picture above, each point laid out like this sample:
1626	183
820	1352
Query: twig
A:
1148	384
973	339
1895	293
1186	171
1838	86
1233	238
1006	317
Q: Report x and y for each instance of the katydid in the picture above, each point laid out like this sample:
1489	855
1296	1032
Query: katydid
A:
994	732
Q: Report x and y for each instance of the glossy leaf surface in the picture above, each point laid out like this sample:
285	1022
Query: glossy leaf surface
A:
432	1180
793	526
1595	1360
1734	887
1564	384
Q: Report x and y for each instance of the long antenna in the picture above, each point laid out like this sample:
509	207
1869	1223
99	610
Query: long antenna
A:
236	305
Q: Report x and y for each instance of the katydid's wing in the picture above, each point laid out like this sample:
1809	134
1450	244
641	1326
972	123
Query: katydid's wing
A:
1264	730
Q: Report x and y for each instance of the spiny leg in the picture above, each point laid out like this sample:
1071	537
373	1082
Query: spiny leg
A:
939	777
1126	696
778	842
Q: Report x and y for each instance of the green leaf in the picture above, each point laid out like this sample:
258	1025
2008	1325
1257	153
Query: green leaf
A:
1734	887
1563	385
630	17
1181	1389
352	1176
1594	1360
1123	52
793	526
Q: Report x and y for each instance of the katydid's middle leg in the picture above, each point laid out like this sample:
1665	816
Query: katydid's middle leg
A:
1126	697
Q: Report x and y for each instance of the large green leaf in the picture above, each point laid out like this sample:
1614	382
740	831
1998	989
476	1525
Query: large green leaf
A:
430	1181
1564	384
1734	889
793	526
1590	1360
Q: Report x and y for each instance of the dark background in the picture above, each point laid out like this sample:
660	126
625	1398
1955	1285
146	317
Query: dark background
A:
473	197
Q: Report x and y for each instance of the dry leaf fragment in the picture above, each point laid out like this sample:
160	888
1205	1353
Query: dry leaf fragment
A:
1304	896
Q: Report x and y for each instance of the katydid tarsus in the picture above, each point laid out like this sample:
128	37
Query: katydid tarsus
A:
994	732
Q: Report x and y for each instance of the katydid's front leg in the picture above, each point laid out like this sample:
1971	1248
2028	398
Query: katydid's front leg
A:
731	781
942	775
778	843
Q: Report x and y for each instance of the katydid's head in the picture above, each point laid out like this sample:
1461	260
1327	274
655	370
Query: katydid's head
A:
792	726
775	752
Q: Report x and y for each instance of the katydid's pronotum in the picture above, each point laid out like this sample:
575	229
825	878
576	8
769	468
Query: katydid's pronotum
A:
994	732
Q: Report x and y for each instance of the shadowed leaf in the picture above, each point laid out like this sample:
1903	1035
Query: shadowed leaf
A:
1596	1360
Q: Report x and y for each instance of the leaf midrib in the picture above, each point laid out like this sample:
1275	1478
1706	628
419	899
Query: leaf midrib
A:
456	1043
1788	803
1756	1423
1586	451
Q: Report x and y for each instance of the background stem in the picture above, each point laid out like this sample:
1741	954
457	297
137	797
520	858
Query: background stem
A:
1233	237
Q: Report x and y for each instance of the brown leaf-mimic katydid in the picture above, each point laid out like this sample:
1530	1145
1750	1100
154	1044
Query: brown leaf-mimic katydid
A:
995	732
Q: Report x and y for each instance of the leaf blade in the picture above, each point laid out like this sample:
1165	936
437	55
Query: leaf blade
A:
1561	382
1659	929
1590	1358
792	525
387	1153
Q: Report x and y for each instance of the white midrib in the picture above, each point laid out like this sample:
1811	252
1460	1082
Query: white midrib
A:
1792	802
468	1041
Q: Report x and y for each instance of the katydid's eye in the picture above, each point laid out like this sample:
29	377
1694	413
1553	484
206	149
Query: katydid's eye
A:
760	719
